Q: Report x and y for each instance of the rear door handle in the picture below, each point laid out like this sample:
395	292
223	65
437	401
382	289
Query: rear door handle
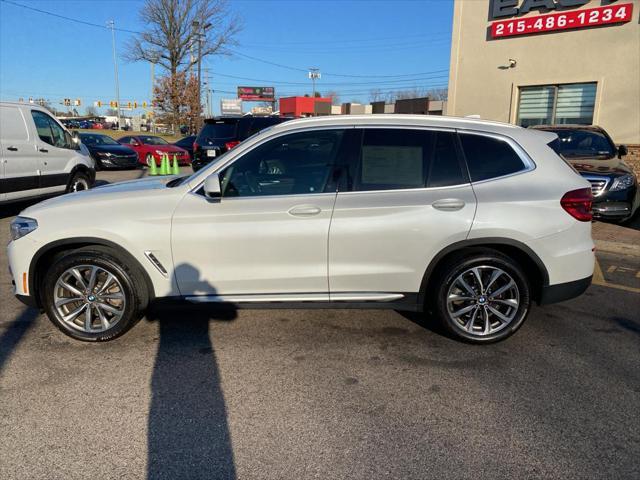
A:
43	150
448	204
12	148
304	210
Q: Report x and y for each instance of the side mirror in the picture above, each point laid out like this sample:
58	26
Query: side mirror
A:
622	151
212	187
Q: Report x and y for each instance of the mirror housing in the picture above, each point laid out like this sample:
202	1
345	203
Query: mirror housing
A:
212	188
622	151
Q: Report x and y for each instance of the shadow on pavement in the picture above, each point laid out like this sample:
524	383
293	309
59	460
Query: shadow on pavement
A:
15	331
188	434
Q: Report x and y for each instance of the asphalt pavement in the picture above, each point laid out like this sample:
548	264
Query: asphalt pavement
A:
327	394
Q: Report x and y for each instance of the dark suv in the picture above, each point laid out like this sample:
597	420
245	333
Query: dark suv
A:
594	155
220	134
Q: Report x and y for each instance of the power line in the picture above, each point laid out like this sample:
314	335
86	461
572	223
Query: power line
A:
338	84
250	57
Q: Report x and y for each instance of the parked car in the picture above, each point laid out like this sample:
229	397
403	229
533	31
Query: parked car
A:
186	143
97	126
591	151
107	153
470	219
151	148
221	134
38	156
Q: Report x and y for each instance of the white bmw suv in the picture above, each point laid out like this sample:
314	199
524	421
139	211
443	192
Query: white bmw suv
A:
473	221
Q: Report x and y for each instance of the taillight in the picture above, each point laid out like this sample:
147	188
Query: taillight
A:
195	146
577	203
230	145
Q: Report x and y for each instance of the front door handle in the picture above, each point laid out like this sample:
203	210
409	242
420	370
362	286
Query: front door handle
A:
448	204
304	210
12	148
43	150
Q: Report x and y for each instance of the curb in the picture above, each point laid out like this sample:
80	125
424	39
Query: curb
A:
616	247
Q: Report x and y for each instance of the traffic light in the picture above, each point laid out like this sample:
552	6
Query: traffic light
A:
113	104
135	104
99	103
144	104
128	104
67	102
77	102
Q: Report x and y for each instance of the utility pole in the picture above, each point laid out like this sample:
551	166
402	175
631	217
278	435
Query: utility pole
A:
314	74
200	34
111	25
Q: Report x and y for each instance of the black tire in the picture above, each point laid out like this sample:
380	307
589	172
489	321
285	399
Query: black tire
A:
131	281
493	261
78	182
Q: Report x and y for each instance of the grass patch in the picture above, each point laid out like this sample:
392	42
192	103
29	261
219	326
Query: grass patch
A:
115	134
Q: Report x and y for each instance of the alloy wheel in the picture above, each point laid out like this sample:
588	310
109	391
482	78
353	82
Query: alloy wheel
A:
483	300
89	298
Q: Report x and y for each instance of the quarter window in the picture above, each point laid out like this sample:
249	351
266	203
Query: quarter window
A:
392	159
489	157
299	163
557	104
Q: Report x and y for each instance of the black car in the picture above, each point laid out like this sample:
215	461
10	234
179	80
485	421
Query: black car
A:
186	143
108	153
590	150
221	134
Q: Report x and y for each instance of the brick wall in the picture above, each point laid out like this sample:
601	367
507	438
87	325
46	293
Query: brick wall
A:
633	158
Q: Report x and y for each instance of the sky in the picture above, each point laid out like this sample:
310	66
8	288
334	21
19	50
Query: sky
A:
357	45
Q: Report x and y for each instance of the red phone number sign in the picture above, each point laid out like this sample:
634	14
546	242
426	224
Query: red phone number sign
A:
589	17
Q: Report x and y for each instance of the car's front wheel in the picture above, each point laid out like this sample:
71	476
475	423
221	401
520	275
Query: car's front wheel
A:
482	296
91	295
78	183
150	159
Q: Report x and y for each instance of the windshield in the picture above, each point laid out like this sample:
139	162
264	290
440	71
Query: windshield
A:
584	143
89	139
212	131
148	140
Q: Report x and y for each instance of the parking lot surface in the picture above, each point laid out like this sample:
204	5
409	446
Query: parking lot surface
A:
273	394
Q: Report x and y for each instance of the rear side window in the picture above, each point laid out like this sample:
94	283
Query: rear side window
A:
392	159
12	126
489	157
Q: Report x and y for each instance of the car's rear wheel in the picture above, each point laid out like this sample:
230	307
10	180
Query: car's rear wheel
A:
91	295
78	183
482	297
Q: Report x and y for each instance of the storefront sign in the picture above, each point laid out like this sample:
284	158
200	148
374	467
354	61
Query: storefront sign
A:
588	17
257	94
231	106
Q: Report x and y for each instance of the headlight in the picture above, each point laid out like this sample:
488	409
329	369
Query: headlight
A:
104	154
20	226
623	182
160	152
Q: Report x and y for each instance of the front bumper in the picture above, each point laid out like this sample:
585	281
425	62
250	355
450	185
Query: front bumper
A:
612	210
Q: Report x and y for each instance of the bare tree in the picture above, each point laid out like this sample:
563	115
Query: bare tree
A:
91	111
437	93
335	97
170	37
376	95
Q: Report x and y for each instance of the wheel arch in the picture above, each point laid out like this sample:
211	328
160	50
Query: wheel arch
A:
82	168
524	255
47	254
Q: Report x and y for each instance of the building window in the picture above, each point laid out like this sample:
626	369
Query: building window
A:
557	104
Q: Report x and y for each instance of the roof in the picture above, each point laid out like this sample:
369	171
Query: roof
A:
399	119
568	126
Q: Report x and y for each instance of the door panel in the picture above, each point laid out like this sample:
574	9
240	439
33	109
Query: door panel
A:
408	197
56	159
383	241
21	177
269	232
251	245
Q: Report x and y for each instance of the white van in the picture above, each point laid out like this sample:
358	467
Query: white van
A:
38	156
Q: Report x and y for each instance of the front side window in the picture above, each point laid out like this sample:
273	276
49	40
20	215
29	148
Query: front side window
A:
397	158
48	130
149	140
298	163
489	157
557	104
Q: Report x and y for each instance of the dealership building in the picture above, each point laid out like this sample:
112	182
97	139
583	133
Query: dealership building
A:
534	62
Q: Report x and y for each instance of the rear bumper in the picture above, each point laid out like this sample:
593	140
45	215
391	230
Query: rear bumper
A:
564	291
